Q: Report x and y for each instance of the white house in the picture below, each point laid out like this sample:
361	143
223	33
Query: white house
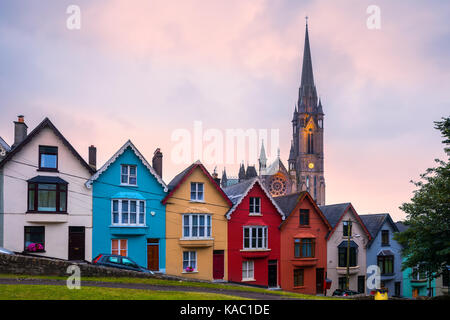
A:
45	207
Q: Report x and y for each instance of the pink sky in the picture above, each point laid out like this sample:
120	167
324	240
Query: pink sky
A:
142	71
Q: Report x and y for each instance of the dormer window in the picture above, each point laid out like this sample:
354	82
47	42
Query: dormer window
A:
48	158
197	191
128	175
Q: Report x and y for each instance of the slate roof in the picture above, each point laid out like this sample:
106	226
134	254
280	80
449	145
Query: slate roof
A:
237	192
5	145
401	226
374	222
46	123
333	212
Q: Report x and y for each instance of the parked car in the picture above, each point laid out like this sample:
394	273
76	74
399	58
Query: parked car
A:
344	293
6	251
115	261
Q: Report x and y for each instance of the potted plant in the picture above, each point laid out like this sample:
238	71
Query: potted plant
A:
189	269
35	247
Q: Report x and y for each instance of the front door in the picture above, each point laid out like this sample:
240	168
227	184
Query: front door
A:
361	284
320	279
273	274
218	264
76	243
153	254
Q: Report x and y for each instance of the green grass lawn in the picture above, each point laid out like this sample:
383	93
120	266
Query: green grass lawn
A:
154	281
42	292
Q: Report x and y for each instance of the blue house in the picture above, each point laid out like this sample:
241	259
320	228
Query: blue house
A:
384	251
128	216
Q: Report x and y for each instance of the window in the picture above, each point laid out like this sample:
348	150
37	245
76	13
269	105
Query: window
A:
343	257
384	237
128	175
197	191
386	264
189	260
248	270
298	277
47	197
304	248
347	228
48	158
196	226
417	274
129	263
128	212
320	123
119	247
310	143
255	205
114	260
304	217
34	239
255	238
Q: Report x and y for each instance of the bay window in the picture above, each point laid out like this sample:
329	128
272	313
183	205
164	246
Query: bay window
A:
47	197
196	226
255	237
128	212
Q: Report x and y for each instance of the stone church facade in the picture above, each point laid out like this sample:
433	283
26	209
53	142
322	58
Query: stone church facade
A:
305	170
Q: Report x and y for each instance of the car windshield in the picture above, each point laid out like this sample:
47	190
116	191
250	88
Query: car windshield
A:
128	262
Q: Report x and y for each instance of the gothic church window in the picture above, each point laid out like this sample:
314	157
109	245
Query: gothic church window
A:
310	143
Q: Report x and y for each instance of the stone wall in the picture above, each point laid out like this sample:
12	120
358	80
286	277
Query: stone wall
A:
31	265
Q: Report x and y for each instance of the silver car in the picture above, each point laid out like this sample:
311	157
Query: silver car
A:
5	251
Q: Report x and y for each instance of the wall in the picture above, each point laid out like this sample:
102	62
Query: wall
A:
239	218
290	230
79	200
106	187
333	255
179	204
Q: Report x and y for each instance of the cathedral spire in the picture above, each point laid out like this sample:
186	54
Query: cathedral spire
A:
262	158
307	70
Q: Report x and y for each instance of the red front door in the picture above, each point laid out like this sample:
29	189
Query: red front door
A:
218	264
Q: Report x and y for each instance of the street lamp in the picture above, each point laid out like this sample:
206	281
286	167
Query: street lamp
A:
349	232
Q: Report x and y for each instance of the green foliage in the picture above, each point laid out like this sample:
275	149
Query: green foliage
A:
427	240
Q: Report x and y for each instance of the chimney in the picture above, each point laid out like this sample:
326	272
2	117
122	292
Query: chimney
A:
20	130
216	177
93	157
157	161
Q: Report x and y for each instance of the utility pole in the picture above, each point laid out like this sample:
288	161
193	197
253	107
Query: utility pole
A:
349	228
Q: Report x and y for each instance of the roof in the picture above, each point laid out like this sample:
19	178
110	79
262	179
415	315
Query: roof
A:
237	192
4	145
401	226
374	222
119	152
46	123
288	203
335	212
47	179
178	180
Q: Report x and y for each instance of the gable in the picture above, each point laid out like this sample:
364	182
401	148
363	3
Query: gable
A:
127	151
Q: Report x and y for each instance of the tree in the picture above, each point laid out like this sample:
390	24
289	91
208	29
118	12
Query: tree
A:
426	242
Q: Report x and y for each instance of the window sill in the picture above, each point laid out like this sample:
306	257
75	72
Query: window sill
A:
46	212
306	226
255	214
128	226
248	280
47	170
197	201
129	185
33	252
188	272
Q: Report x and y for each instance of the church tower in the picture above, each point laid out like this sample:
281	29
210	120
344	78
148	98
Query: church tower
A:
306	159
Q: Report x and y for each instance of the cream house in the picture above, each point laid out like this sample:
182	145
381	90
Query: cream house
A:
45	207
349	235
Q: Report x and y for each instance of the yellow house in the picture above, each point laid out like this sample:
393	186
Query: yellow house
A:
196	226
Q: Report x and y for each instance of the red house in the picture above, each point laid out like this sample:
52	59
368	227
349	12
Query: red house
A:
303	244
253	235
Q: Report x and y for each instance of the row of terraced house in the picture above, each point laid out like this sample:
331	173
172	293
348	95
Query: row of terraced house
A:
55	204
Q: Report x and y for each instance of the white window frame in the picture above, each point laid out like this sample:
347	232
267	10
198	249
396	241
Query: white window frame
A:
207	228
196	192
248	270
192	257
128	174
253	231
138	223
256	204
119	246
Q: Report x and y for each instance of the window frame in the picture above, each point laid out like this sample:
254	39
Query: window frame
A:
128	175
302	214
346	227
251	240
298	247
197	192
255	206
119	247
189	260
207	226
342	257
120	212
385	234
34	187
42	152
248	272
383	260
29	228
300	276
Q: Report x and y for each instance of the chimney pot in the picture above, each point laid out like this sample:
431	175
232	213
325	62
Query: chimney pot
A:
93	157
157	161
20	130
